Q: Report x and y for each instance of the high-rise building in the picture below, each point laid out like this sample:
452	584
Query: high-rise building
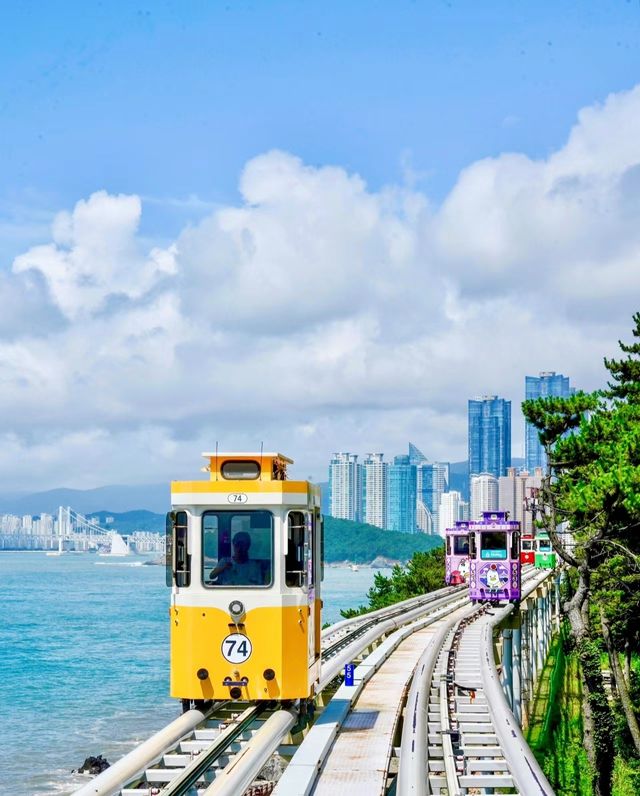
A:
424	518
484	495
463	510
548	383
416	456
432	482
489	435
401	514
375	482
513	489
449	510
345	485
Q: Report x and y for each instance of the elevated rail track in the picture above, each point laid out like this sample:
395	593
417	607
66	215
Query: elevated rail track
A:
434	653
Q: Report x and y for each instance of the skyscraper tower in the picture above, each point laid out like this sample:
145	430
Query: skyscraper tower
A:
548	383
346	486
402	495
375	490
432	482
489	435
484	495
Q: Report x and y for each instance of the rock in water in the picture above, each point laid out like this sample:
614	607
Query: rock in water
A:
94	765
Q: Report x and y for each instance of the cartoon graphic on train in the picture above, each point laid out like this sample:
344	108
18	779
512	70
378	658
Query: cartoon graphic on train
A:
494	558
457	554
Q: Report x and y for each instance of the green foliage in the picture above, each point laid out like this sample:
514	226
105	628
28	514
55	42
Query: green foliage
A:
360	543
592	443
555	730
422	574
626	372
626	777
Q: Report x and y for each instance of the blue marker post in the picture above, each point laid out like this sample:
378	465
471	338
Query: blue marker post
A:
349	670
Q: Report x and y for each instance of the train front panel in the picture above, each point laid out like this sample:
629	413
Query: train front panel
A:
245	566
494	572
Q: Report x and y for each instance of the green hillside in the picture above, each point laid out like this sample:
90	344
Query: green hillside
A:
354	541
130	521
343	540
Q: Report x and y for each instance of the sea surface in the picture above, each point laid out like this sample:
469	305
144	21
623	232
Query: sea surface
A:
84	661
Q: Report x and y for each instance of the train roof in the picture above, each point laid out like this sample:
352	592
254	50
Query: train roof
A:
247	455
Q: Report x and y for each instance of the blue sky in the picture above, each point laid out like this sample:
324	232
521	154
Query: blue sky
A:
322	226
170	99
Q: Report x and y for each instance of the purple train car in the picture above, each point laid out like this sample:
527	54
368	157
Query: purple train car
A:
494	558
456	556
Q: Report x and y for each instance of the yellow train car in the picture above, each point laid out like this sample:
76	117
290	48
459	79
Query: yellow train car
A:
244	562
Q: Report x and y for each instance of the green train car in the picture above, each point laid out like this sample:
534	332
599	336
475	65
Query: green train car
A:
545	557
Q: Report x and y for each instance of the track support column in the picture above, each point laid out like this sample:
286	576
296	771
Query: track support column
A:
541	634
507	664
516	705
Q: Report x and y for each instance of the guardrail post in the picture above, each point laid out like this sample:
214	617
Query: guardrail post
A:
556	594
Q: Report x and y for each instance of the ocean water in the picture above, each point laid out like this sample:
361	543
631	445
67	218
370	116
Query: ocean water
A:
84	661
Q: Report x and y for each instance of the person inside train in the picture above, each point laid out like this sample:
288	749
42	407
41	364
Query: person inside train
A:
238	569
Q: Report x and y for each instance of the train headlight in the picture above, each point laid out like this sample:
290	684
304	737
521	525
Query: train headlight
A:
236	609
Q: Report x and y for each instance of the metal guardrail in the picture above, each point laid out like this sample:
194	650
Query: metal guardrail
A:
336	664
133	764
356	621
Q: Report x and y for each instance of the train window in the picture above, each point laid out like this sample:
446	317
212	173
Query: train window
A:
544	546
237	548
493	544
461	545
240	471
515	545
448	544
178	560
527	544
472	545
294	561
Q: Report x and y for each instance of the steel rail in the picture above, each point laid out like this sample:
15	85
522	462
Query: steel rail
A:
135	762
245	767
525	769
414	761
196	769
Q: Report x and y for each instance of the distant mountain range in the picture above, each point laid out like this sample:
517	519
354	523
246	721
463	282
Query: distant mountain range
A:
107	499
118	499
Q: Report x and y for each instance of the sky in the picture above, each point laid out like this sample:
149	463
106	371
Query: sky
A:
320	226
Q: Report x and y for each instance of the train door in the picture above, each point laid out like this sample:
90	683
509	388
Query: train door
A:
310	585
300	568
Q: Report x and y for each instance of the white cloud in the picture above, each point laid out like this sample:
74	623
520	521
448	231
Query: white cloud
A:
318	314
95	255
